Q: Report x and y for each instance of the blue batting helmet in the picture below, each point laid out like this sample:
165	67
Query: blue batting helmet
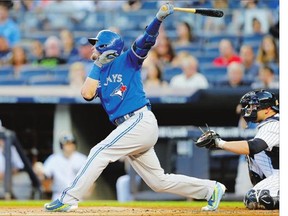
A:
107	40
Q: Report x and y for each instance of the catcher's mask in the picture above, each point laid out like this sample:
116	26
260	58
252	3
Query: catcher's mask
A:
254	101
107	40
65	138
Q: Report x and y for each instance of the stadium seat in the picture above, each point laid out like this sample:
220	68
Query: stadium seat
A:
47	80
31	70
212	73
192	48
11	81
170	72
253	40
6	71
61	72
207	58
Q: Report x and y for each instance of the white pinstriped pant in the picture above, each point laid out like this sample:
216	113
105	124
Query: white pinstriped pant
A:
135	138
271	183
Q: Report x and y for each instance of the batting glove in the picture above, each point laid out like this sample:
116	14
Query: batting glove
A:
165	10
106	57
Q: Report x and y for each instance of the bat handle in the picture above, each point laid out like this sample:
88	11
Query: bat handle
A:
188	10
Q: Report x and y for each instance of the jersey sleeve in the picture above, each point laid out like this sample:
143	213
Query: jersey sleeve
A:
270	134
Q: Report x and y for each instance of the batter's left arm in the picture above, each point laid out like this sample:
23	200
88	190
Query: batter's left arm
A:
144	43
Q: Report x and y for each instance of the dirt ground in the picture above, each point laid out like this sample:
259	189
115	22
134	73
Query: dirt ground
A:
129	211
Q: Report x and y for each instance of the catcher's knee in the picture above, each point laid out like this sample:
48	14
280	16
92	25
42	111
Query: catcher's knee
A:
260	199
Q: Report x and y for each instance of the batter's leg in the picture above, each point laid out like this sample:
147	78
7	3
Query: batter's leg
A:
148	167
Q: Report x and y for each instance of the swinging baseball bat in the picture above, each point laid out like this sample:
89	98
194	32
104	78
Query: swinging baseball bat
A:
202	11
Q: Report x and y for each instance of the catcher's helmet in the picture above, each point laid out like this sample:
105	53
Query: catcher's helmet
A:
261	99
107	40
65	138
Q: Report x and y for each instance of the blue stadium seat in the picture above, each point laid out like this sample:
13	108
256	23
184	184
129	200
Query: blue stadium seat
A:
61	71
169	72
47	80
11	81
275	68
254	39
31	70
207	58
212	73
6	71
192	48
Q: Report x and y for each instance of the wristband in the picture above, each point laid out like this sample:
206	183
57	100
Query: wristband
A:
220	143
95	72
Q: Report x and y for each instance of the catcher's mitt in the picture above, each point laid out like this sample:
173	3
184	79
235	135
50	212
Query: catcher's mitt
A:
207	139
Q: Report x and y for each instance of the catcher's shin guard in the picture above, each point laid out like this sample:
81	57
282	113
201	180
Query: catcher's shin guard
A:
260	199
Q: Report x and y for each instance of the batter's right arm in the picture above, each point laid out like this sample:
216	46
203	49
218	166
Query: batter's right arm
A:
89	88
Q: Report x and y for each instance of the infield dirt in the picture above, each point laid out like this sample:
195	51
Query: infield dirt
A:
129	211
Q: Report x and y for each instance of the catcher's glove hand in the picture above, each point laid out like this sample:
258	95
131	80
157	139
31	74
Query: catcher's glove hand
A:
208	139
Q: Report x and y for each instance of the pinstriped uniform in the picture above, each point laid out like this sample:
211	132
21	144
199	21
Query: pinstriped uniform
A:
266	163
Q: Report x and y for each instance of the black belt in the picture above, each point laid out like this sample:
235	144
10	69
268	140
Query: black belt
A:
121	119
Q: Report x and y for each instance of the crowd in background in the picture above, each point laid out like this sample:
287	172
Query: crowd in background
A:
45	42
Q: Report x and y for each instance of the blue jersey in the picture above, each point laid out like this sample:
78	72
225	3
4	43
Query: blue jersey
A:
121	88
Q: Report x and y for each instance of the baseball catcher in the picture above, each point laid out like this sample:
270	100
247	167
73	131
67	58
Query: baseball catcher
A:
262	152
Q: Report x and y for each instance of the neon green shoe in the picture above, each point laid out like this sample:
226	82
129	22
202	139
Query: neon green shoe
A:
57	206
217	195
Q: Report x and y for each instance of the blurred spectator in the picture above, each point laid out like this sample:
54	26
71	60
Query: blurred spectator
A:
235	76
8	28
153	75
27	6
184	35
268	51
53	53
61	168
256	26
20	177
37	51
266	79
108	5
248	59
190	78
178	58
84	53
86	5
274	30
77	74
4	50
16	161
132	5
227	54
18	59
164	50
216	26
242	19
69	46
61	14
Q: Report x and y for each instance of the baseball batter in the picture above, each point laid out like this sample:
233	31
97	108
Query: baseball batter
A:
259	106
116	80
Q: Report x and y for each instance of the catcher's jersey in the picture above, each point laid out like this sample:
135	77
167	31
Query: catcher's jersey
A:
267	161
121	88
